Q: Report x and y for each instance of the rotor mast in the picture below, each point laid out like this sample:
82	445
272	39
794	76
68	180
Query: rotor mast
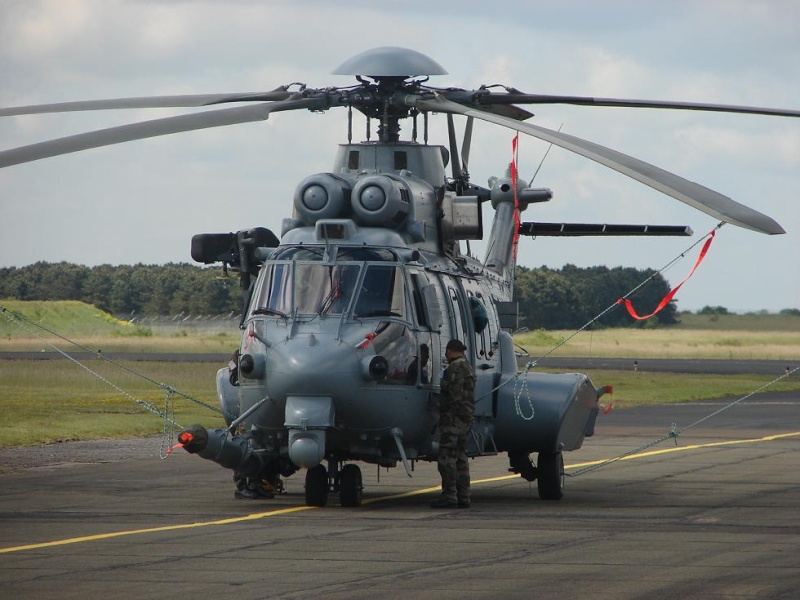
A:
390	68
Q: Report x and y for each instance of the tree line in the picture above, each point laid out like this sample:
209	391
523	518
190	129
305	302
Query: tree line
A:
140	289
570	297
548	298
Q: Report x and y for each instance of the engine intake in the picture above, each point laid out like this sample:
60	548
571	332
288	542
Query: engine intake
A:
381	201
322	196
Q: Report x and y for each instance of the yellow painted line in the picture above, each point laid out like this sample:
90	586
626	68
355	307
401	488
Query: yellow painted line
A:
769	438
418	492
116	534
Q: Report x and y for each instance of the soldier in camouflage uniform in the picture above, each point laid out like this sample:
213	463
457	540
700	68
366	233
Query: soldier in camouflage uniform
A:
456	412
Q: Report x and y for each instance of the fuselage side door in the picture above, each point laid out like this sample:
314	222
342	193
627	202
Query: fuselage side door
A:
483	344
427	308
455	305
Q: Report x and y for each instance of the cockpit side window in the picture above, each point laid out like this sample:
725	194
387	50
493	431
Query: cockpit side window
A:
419	281
382	293
274	294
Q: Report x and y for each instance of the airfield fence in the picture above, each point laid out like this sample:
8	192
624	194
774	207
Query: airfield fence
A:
195	324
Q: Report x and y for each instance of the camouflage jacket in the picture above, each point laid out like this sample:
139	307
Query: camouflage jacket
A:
457	403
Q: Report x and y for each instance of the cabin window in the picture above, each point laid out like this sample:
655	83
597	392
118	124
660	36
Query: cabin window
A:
480	318
419	369
458	314
480	324
395	342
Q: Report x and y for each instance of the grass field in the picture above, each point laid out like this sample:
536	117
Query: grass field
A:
667	342
698	336
96	330
47	401
58	400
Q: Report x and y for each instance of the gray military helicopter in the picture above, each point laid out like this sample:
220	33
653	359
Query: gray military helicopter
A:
346	315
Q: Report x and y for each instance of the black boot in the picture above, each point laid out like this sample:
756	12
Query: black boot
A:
442	502
254	490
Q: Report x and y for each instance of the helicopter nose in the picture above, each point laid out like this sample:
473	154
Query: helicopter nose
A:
309	374
310	366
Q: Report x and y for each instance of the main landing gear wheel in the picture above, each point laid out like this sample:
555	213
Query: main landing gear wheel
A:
317	486
350	486
551	476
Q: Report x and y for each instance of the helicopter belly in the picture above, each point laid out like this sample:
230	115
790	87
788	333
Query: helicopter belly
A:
404	412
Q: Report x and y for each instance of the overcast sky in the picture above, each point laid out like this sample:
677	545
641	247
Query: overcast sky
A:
142	201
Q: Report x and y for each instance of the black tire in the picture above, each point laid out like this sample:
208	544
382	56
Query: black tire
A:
350	486
551	476
317	486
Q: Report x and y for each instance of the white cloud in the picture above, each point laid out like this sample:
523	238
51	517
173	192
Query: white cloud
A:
102	205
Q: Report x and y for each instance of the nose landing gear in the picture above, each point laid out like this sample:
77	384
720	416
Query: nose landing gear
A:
350	486
317	486
347	481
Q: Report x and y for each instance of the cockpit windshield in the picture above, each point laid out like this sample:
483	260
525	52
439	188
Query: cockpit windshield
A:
324	289
343	253
313	287
369	289
309	288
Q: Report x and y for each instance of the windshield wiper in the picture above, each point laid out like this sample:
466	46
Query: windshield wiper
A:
377	313
327	301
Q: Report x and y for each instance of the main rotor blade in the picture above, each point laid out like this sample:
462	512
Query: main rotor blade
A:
153	128
536	229
455	161
467	143
145	102
688	192
520	98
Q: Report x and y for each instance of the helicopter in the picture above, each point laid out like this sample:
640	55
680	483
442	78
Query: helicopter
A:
347	314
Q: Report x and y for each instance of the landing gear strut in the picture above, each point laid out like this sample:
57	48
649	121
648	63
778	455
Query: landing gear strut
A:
548	474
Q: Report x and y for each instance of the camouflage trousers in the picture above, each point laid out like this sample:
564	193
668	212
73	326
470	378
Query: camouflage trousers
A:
453	462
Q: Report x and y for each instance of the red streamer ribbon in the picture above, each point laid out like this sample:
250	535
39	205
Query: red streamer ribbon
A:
175	447
366	341
666	299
